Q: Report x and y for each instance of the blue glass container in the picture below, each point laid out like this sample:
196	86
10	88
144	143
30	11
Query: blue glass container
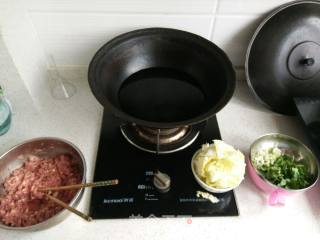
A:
5	114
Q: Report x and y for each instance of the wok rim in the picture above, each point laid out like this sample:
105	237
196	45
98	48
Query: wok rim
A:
223	58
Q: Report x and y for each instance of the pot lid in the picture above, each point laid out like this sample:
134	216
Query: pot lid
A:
283	57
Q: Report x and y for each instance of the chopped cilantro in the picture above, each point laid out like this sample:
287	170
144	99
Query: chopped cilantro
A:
287	173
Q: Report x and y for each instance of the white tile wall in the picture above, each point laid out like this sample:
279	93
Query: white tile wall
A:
72	30
125	6
16	90
233	33
248	6
25	49
235	23
74	44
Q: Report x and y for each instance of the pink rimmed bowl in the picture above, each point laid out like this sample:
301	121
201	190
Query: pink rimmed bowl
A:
277	195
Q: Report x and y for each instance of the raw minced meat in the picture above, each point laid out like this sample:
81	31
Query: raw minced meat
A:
23	205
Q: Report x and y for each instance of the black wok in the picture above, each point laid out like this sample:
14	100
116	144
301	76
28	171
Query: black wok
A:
161	78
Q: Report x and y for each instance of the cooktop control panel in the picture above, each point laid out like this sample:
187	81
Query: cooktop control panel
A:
151	185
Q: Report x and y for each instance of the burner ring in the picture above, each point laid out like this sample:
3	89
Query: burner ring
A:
171	140
166	136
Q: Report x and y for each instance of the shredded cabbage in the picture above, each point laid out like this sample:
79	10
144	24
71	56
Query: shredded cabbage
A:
219	165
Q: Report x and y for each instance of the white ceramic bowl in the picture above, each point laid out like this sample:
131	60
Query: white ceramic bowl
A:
203	184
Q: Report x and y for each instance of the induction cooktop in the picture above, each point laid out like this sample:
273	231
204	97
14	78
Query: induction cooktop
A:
136	196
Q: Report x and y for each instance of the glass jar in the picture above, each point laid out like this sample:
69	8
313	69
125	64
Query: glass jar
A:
5	114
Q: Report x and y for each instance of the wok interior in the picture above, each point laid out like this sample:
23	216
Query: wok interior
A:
162	79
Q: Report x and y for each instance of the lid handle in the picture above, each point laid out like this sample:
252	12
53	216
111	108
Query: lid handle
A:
307	61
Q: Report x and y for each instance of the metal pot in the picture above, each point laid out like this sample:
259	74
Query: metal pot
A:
278	194
45	146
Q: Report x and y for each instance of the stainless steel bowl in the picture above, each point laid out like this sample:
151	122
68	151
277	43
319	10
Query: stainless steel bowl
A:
46	146
284	142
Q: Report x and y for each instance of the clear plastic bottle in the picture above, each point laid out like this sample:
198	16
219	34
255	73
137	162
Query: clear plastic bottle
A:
5	114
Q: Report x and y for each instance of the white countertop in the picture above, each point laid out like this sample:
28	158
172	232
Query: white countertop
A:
241	121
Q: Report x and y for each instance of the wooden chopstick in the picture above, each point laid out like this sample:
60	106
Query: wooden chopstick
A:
71	209
82	185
